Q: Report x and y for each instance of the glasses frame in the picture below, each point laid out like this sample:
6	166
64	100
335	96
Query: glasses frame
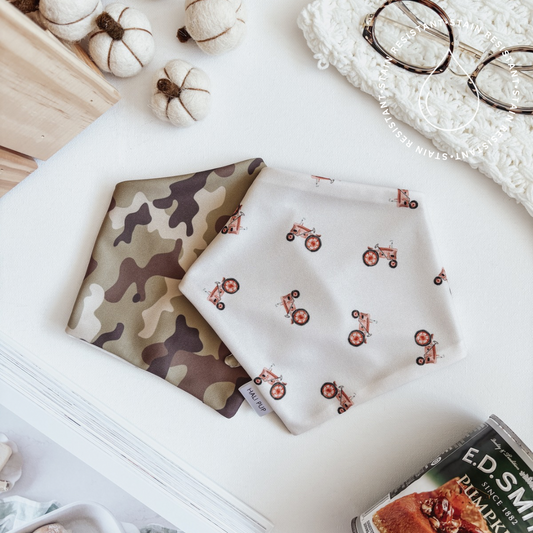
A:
370	37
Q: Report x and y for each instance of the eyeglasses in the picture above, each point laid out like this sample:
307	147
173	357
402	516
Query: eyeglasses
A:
406	33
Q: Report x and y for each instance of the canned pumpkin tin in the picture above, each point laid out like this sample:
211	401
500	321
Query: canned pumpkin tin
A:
483	484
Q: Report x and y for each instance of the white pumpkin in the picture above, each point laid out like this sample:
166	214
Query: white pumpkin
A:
122	43
217	26
70	20
181	93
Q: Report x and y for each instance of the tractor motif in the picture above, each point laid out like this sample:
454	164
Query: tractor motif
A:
297	316
403	200
359	336
229	285
425	339
312	240
373	255
440	278
278	389
318	179
233	225
331	390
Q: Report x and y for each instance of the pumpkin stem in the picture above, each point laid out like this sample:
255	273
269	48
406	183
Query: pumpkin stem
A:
183	35
108	24
168	88
26	6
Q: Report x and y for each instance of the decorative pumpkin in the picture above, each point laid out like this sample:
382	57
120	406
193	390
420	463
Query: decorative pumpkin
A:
122	43
217	26
181	93
70	20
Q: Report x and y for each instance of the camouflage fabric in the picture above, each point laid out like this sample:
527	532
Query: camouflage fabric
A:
130	303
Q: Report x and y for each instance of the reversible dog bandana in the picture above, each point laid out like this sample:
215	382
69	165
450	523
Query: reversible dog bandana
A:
130	303
333	295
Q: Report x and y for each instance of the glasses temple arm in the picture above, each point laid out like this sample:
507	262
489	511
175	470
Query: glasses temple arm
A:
435	34
418	22
440	36
432	31
409	13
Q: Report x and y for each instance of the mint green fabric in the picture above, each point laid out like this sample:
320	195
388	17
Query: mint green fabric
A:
16	511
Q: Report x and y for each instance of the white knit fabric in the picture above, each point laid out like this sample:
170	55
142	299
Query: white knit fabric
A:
334	313
333	30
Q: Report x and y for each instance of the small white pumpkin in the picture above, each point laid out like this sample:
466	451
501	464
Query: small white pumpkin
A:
122	43
70	20
217	26
181	93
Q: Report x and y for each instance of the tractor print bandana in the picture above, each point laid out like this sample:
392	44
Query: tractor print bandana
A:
333	294
130	303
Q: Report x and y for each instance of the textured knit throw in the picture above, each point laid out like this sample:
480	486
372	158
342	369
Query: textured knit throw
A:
333	295
333	30
130	303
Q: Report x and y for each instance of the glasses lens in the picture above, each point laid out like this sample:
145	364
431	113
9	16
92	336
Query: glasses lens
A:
508	80
412	34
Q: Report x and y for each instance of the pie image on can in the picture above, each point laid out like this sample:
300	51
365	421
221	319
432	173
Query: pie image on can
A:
481	484
445	510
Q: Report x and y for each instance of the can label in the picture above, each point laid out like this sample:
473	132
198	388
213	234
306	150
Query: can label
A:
483	484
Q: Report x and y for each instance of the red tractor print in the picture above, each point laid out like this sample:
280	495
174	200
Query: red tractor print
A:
403	200
318	179
440	278
312	240
425	339
229	285
278	389
233	225
331	390
297	316
359	336
373	255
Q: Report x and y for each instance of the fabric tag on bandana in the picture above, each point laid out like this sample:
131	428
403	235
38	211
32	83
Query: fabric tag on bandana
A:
255	399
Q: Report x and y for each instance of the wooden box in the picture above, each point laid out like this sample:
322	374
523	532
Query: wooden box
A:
48	94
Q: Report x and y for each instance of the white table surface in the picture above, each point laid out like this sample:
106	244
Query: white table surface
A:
270	101
51	473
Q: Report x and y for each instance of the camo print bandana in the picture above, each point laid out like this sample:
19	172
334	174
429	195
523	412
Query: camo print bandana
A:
334	294
130	303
